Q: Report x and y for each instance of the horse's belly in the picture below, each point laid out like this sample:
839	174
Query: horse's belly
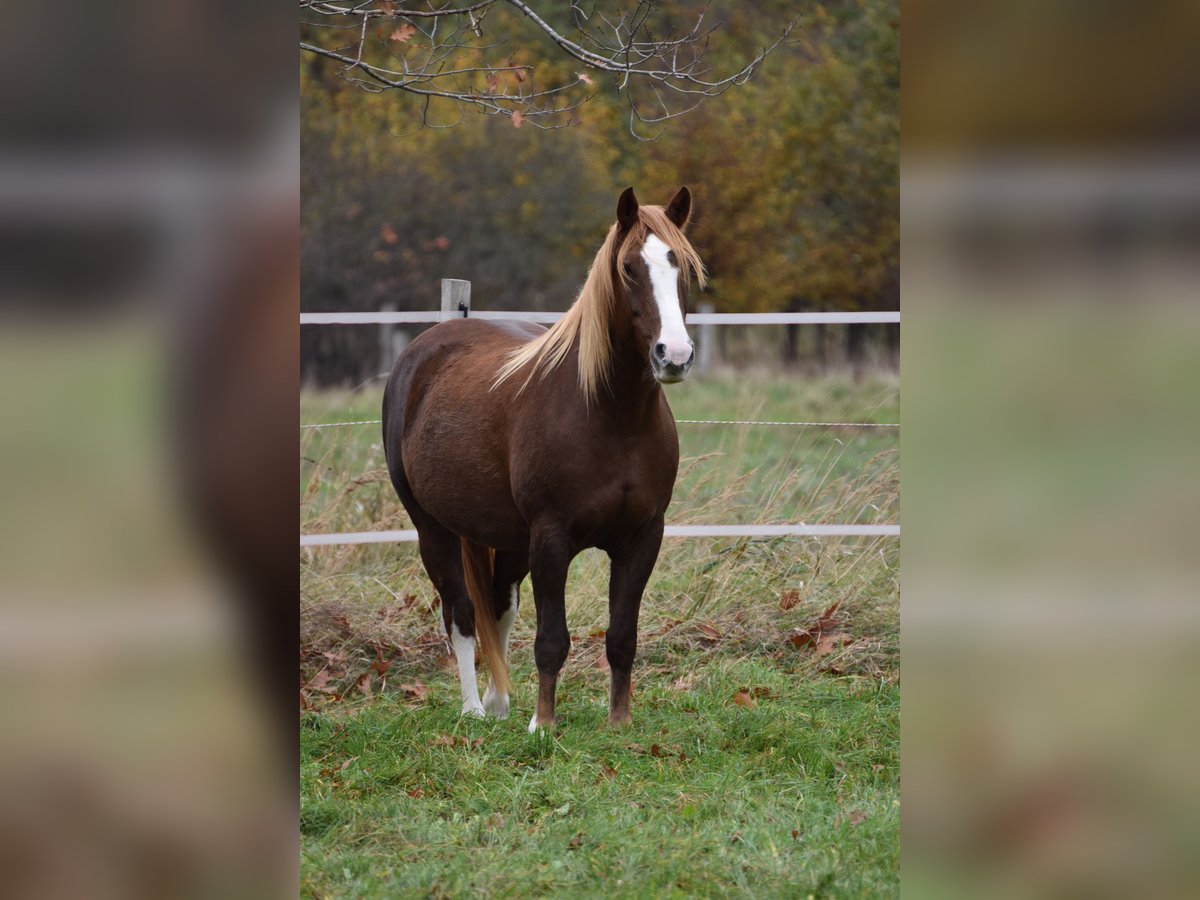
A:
459	476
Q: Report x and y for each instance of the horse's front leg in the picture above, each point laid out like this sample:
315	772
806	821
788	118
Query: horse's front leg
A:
631	568
549	559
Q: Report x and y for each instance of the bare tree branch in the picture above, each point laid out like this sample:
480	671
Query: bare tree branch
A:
439	54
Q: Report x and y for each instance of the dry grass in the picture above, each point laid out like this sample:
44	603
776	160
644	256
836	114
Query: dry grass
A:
373	606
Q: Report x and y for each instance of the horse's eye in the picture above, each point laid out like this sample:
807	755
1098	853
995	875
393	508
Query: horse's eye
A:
629	271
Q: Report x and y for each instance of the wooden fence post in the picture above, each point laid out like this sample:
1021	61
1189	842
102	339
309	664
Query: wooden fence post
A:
456	299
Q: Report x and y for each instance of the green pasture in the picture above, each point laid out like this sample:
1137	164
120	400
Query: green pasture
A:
764	755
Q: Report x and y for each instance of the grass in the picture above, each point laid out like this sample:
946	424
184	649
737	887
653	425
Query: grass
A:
755	766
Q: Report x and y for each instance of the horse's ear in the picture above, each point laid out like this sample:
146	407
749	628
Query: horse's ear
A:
680	207
627	209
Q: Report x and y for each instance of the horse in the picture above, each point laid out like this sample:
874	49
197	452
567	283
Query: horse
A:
514	447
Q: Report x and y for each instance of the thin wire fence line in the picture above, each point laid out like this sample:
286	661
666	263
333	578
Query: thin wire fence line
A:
672	531
686	422
419	317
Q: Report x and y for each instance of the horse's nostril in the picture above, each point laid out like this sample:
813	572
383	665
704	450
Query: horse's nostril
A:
660	352
691	357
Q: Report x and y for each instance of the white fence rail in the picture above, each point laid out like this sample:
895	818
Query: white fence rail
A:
456	302
548	318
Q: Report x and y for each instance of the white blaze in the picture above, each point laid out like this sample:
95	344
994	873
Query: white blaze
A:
664	279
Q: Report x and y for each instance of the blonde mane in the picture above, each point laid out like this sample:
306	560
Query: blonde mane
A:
586	322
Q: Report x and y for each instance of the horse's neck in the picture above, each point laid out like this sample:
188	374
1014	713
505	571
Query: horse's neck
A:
630	391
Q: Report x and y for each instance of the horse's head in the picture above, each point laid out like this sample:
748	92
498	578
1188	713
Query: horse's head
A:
651	280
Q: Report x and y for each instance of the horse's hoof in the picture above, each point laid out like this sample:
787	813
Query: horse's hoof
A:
475	712
535	726
496	705
620	722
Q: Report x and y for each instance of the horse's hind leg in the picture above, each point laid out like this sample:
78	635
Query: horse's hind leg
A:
511	568
441	552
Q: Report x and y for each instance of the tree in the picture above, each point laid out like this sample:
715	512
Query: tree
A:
459	54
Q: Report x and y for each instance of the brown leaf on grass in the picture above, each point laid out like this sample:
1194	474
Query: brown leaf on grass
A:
760	692
576	842
608	772
347	764
789	599
831	642
853	817
444	740
364	684
518	118
743	698
415	691
708	631
416	793
795	834
878	767
320	682
824	635
657	751
403	33
597	633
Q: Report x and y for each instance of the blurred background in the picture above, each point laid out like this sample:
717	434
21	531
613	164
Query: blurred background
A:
1051	209
794	174
148	167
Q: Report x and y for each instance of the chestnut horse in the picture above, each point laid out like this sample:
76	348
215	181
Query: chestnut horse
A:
514	447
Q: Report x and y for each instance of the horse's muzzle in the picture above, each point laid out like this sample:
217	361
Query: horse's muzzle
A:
667	372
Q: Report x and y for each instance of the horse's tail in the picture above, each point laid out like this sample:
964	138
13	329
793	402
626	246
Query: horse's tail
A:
479	565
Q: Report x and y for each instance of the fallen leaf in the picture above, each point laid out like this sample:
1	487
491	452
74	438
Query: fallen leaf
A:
708	631
416	793
320	682
517	118
878	767
444	740
657	751
795	834
743	698
830	642
823	635
417	690
347	763
608	772
403	33
789	599
388	233
759	692
576	842
854	817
